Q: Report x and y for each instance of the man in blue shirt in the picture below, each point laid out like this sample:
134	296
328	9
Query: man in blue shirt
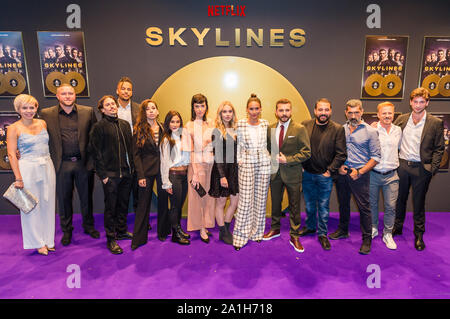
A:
363	153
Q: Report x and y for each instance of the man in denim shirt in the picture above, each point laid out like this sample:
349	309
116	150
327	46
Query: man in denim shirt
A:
363	153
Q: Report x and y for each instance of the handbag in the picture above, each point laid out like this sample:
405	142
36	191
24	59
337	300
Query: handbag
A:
200	190
21	198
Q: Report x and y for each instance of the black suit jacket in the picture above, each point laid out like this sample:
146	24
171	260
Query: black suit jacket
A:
146	158
431	143
86	119
333	146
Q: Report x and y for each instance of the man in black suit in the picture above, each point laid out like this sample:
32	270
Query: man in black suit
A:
420	155
128	111
328	153
68	126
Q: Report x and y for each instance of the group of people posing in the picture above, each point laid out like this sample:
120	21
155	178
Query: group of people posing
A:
209	161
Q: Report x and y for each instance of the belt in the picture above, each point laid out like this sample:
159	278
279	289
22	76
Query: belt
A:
385	173
72	159
411	163
178	172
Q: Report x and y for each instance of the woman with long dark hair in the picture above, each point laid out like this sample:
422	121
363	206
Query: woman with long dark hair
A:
146	140
174	165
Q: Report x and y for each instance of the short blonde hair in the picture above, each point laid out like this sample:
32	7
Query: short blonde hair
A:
24	99
381	105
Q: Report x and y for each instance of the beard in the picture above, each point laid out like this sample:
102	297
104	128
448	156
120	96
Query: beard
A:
322	119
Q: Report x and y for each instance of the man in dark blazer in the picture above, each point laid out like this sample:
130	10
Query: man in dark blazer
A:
421	151
328	153
288	143
128	111
68	126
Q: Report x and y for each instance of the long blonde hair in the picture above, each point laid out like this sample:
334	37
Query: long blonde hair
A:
219	122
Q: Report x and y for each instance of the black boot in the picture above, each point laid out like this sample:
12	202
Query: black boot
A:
177	237
182	232
225	235
227	225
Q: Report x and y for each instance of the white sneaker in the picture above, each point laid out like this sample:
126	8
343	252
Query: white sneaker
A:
389	241
374	232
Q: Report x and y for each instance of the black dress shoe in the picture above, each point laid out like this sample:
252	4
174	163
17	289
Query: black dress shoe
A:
66	239
365	247
338	234
183	233
93	233
418	242
396	231
305	231
324	242
123	236
113	247
178	238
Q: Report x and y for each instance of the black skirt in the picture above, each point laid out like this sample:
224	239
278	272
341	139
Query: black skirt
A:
231	173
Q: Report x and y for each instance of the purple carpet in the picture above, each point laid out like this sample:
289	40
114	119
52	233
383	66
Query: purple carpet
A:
266	270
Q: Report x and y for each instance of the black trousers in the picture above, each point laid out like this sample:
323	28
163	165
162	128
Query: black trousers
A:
277	187
69	175
178	197
117	197
415	176
345	187
140	231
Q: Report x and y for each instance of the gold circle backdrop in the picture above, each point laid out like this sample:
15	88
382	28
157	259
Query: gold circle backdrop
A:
228	78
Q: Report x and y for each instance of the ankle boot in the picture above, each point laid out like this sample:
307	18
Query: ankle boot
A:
225	236
182	232
227	226
177	237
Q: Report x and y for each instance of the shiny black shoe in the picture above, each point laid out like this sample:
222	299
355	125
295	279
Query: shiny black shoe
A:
183	233
66	238
419	244
305	231
324	242
205	240
93	233
114	247
338	234
126	235
178	238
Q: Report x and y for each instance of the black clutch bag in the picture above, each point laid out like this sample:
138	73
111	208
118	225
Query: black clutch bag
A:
200	190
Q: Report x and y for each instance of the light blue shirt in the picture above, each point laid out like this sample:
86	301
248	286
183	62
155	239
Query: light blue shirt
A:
362	145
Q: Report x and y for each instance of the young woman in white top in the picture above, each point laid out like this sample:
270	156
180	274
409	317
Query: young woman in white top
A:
174	165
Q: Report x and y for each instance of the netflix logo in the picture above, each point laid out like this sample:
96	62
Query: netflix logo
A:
224	10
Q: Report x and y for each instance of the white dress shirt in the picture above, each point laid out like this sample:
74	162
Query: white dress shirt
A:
124	113
389	144
412	134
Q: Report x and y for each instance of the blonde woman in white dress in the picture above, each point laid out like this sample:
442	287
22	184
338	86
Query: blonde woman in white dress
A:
34	171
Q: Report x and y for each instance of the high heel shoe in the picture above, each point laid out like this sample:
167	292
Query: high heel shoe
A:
51	249
237	248
206	241
42	252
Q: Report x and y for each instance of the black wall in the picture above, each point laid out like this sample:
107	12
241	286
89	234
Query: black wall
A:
328	65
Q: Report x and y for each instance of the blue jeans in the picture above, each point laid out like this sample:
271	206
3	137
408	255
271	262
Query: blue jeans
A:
316	191
389	184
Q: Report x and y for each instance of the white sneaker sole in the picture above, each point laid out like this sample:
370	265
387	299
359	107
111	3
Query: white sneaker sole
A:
275	236
297	250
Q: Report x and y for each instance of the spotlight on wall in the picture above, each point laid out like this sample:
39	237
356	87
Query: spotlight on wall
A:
230	80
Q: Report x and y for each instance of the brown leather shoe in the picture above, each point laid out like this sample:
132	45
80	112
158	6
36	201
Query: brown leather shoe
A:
296	244
271	234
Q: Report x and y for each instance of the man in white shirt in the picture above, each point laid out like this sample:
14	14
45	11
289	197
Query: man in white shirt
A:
384	174
421	151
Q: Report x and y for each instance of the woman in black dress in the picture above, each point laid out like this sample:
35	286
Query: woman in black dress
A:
224	175
146	139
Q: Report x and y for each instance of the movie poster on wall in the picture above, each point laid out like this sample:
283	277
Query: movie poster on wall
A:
63	60
13	70
6	119
435	68
445	117
383	74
